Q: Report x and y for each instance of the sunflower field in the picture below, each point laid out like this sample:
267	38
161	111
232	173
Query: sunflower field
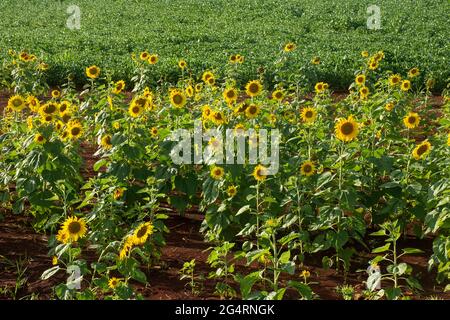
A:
360	193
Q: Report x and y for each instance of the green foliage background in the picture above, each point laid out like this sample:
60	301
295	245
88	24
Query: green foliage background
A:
206	32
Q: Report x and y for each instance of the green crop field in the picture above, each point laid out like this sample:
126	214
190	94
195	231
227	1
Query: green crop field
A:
206	32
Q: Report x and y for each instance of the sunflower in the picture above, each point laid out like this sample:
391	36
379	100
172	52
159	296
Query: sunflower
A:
118	87
137	106
142	232
309	115
16	103
113	282
182	64
54	260
315	61
364	54
56	94
346	129
66	117
394	80
49	108
177	98
272	118
59	125
206	112
74	228
360	79
252	111
240	59
62	236
93	72
105	142
389	106
47	118
253	88
211	81
260	173
307	168
217	173
198	87
289	47
189	91
218	118
233	58
207	75
278	95
414	72
154	132
75	129
320	87
406	85
127	246
64	107
421	150
30	122
144	55
33	103
230	95
231	191
448	140
39	138
373	64
411	120
43	66
153	59
364	92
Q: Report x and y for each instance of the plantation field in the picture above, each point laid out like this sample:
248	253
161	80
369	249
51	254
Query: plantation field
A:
207	32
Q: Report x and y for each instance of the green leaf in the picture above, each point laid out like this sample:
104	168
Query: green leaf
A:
49	272
411	251
243	209
382	249
246	283
304	290
100	163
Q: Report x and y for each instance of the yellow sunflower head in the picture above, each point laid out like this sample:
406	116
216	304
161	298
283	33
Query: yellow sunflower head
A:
106	142
144	55
74	228
33	103
142	232
75	129
233	58
414	72
360	79
127	246
118	87
260	173
230	95
207	75
364	92
177	98
389	106
252	111
406	85
182	64
278	95
64	107
218	118
253	88
421	150
39	138
153	59
93	72
56	94
365	54
307	168
231	191
346	129
154	132
217	173
113	282
320	87
49	108
16	103
411	120
309	115
289	47
315	61
394	80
